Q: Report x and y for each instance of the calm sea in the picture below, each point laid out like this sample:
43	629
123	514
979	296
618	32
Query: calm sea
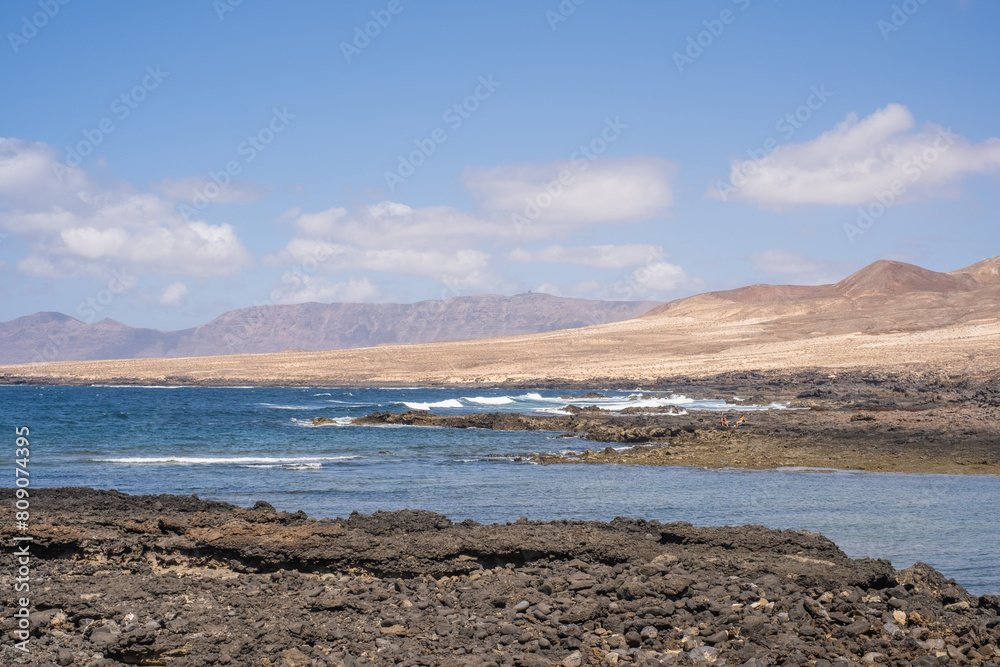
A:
246	444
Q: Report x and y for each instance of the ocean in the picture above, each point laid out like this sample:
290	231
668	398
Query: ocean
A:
242	445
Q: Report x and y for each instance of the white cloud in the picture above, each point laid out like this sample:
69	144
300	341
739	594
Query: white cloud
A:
600	257
233	192
575	192
655	281
93	243
854	161
27	178
36	266
799	268
783	262
463	250
79	226
290	214
389	237
397	225
174	294
552	288
319	224
301	288
334	257
657	278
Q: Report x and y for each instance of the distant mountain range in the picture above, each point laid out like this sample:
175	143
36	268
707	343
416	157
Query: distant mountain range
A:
887	317
52	336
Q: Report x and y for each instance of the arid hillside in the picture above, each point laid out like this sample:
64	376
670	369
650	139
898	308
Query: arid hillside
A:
888	315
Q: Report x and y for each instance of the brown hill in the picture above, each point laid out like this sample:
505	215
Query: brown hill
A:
886	278
984	272
888	315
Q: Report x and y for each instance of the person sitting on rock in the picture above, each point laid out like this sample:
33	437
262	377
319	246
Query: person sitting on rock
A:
741	421
725	422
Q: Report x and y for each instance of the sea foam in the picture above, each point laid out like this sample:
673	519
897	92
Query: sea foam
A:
449	403
223	460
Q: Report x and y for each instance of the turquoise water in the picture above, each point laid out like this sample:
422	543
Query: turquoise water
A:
246	444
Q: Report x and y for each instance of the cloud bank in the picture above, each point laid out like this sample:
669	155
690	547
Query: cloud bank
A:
858	159
78	225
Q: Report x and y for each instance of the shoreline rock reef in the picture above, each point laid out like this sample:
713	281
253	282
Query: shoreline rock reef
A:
181	581
869	421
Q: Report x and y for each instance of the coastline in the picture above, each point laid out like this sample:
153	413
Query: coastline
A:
870	441
176	580
907	421
854	421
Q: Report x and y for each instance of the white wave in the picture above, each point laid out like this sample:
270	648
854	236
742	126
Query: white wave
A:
285	466
172	386
326	394
648	403
288	407
337	421
449	403
222	460
138	386
613	402
489	400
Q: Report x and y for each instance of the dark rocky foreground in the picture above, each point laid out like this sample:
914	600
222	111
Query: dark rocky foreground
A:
168	580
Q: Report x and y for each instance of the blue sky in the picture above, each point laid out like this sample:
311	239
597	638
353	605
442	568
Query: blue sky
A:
171	161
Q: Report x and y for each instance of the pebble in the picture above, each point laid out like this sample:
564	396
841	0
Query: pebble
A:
574	659
704	654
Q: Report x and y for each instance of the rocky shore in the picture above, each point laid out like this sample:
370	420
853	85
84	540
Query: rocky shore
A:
851	420
168	580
